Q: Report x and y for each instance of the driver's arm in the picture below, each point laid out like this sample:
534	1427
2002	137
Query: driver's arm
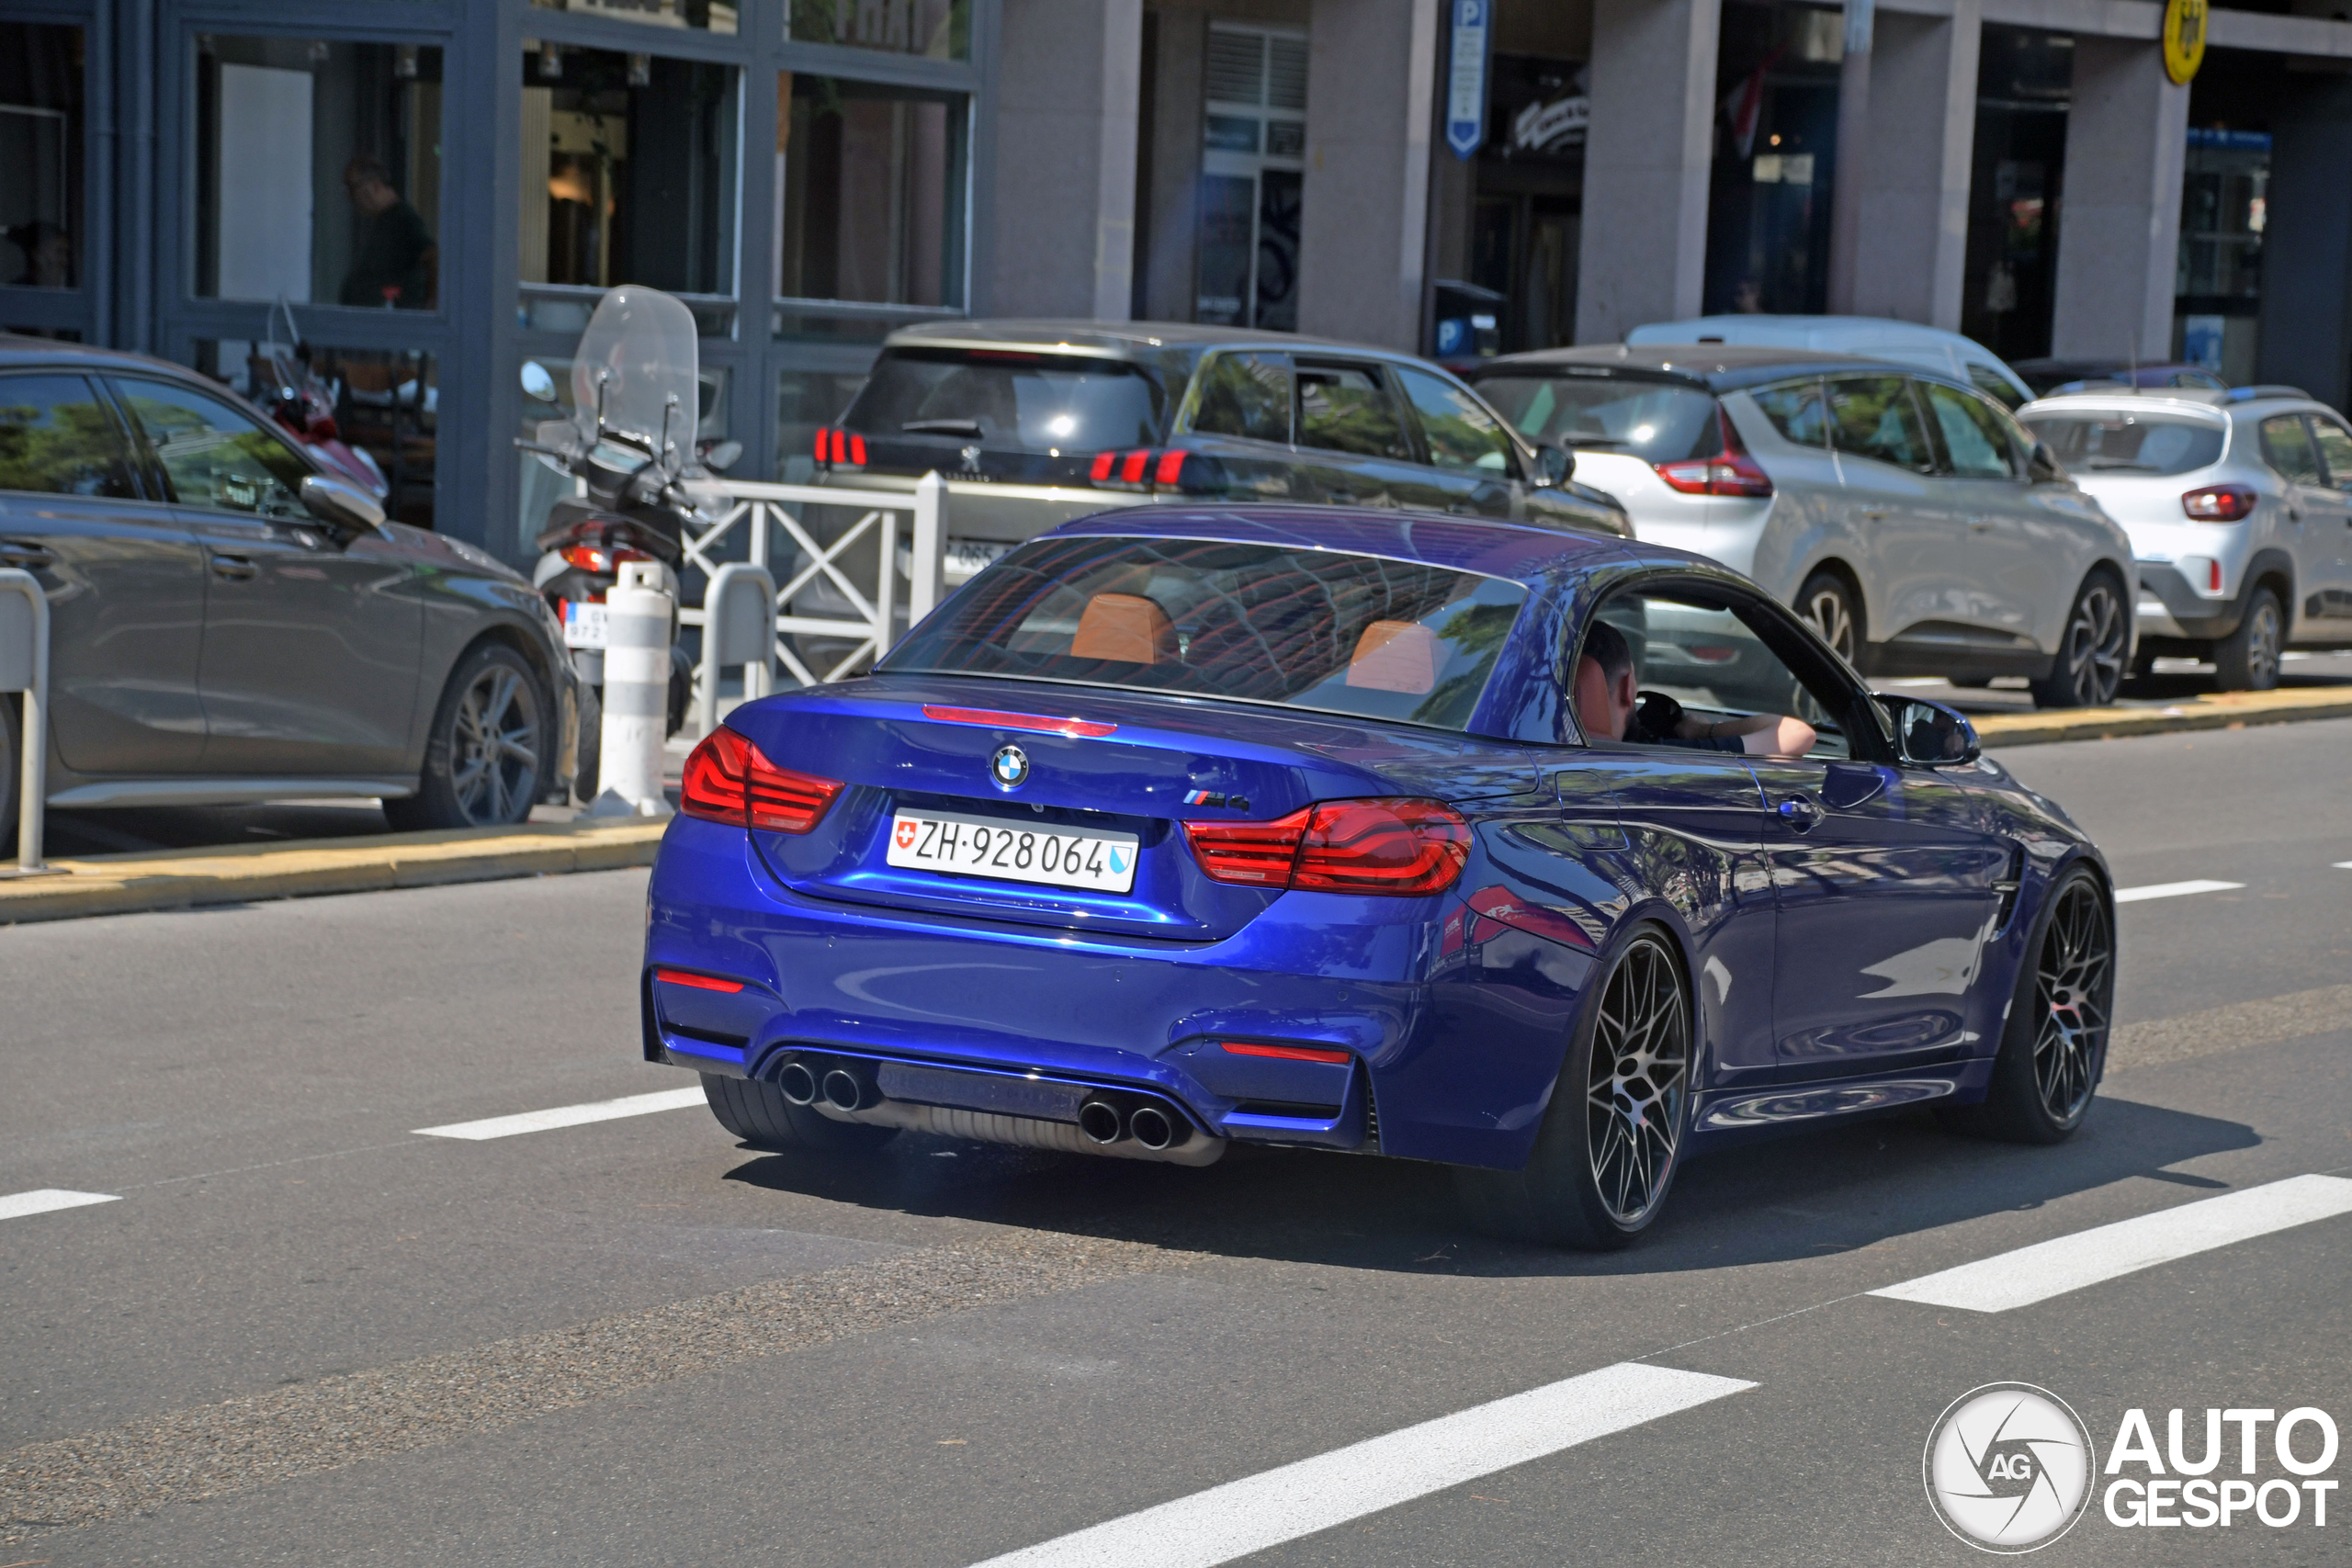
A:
1760	734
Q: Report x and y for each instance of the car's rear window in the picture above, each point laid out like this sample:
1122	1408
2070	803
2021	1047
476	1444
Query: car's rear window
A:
1315	629
2091	442
1655	421
1039	402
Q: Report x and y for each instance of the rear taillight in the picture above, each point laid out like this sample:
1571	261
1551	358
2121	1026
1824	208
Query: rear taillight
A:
1146	469
598	559
1395	847
1731	471
2219	503
840	446
728	779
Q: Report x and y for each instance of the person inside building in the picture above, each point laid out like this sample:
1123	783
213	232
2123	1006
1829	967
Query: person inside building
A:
1610	709
48	256
393	258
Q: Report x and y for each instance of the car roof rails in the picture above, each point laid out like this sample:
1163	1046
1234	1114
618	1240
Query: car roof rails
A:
2274	390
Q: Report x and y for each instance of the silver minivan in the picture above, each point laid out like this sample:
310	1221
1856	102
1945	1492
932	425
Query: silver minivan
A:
1905	514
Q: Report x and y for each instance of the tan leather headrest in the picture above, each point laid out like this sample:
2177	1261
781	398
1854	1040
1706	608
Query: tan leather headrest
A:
1395	656
1125	627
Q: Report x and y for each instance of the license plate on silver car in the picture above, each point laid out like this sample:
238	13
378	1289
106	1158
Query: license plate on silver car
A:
1013	851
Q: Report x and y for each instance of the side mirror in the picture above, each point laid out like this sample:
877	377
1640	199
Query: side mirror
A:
1930	733
341	505
722	455
537	382
2043	467
1554	465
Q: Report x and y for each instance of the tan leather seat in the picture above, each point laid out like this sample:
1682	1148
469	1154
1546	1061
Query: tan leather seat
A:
1395	656
1125	627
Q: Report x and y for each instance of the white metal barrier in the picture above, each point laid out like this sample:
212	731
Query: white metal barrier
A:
758	508
24	666
738	609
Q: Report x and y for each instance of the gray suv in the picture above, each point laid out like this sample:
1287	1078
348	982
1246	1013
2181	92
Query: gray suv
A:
229	625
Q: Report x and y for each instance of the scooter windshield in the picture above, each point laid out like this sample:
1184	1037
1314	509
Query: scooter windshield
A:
640	346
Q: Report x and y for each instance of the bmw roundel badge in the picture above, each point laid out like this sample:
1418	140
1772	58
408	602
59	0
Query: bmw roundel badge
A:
1011	767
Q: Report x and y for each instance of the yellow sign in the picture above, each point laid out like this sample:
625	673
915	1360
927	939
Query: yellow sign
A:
2184	39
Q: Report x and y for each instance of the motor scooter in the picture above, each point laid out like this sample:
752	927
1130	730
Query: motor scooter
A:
304	405
629	443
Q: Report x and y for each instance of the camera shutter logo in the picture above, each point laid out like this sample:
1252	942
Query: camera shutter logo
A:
2009	1467
1010	766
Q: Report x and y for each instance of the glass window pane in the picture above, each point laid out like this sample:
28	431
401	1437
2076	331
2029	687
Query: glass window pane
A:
941	29
2287	447
40	155
1245	395
711	15
1872	416
1460	432
318	172
57	438
215	456
365	415
1036	402
2335	447
1343	409
628	163
2130	442
1978	446
869	192
1229	213
1655	422
1797	413
1708	659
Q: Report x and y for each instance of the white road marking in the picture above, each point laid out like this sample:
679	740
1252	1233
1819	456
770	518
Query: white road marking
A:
2171	890
2343	866
2066	1263
568	1115
46	1199
1259	1511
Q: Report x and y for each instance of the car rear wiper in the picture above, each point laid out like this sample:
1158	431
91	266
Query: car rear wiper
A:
943	427
2119	463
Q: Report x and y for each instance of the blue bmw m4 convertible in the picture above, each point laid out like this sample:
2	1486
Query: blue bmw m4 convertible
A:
1556	858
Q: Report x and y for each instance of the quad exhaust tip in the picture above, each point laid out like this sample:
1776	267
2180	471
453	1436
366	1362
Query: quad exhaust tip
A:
843	1089
1100	1119
1151	1126
797	1084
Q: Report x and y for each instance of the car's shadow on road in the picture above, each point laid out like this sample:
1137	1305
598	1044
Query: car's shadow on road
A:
1794	1197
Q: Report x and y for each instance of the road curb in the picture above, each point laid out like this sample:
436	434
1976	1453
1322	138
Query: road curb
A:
182	879
2228	710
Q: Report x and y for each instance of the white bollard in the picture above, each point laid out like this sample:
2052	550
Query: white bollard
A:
636	694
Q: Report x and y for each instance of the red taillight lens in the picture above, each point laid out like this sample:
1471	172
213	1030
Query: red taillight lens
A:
588	558
2219	503
728	780
1288	1053
1103	463
1171	469
700	982
1397	847
1731	471
858	450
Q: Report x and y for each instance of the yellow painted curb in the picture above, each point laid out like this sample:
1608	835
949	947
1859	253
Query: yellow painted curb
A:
180	879
2225	710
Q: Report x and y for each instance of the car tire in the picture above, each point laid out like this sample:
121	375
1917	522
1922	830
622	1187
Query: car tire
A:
589	757
2054	1049
487	751
757	1114
2247	660
2088	670
1828	605
681	694
1611	1140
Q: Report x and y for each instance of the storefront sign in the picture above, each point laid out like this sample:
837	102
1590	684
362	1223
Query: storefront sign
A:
2184	39
1542	128
1465	99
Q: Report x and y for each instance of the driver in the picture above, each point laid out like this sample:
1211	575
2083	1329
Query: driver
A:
1609	708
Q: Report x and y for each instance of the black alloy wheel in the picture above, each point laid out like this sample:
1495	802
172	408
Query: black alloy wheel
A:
2089	669
482	759
1828	605
2247	660
2053	1050
1611	1138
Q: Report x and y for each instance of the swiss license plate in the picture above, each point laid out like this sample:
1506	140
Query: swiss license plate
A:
583	624
1014	851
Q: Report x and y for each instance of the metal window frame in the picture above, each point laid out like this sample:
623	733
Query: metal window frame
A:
83	307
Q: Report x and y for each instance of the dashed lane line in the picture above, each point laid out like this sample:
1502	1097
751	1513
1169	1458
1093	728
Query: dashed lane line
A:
2171	890
49	1200
568	1115
1277	1505
2069	1263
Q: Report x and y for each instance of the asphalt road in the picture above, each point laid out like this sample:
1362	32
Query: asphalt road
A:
301	1332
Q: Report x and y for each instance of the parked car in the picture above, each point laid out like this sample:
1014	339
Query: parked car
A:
230	623
1904	514
1281	825
1873	337
1032	422
2239	508
2049	376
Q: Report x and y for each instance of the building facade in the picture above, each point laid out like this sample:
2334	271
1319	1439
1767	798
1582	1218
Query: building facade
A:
428	193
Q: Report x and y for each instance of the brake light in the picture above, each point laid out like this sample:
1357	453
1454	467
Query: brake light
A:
598	559
2219	503
1393	848
1287	1052
1085	728
1731	471
1143	469
728	779
840	446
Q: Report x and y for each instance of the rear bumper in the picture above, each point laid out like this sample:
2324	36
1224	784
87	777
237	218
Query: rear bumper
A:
2170	607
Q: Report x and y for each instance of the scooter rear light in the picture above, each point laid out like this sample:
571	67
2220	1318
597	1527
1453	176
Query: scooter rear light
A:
728	779
2219	503
1401	849
598	559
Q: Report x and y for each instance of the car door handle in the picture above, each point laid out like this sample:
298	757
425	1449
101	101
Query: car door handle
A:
1800	813
26	554
236	569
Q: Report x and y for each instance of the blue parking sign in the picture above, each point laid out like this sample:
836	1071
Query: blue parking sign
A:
1465	93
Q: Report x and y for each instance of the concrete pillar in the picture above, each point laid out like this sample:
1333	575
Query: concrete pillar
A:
1916	175
1065	197
1167	259
1643	257
2118	227
2307	243
1371	80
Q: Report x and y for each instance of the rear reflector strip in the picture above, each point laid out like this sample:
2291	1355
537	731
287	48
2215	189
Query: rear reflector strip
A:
700	982
1040	723
1289	1052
